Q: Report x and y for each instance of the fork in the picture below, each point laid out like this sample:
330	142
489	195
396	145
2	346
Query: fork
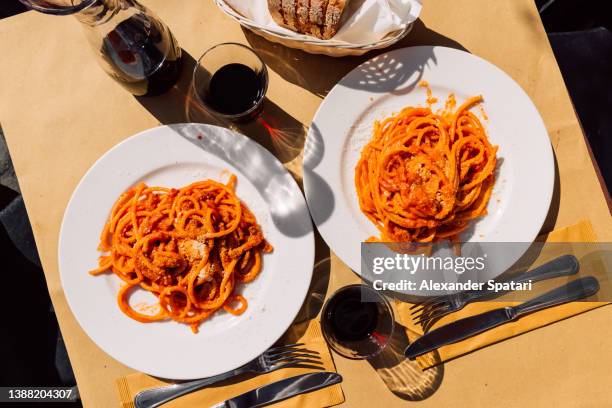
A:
434	308
271	360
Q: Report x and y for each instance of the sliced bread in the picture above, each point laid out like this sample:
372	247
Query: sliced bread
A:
276	10
319	18
333	18
303	22
316	16
289	14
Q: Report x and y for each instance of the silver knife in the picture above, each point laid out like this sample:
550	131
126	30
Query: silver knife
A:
470	326
280	390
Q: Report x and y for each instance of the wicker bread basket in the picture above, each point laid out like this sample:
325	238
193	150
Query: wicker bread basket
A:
309	44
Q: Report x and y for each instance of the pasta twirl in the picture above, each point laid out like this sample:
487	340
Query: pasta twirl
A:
189	247
423	176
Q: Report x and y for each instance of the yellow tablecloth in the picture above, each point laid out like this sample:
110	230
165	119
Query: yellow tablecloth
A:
60	113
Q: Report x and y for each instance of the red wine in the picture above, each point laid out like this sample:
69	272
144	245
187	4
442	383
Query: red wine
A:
347	318
142	55
235	89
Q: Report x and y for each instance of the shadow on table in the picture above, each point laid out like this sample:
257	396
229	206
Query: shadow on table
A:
405	378
319	73
553	210
280	133
319	285
322	208
285	202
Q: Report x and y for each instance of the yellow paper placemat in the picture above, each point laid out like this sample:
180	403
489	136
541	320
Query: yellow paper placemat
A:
580	232
307	332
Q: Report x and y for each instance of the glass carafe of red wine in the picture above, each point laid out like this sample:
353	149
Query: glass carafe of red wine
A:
131	43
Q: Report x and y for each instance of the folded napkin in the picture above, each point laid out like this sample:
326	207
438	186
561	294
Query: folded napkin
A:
581	232
365	21
307	332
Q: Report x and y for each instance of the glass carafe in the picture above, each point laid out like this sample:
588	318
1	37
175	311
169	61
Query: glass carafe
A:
132	44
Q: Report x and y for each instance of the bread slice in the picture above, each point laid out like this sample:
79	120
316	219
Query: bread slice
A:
319	18
333	17
316	15
289	14
276	10
303	22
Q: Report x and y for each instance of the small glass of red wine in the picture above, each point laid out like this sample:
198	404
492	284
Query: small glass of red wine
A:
357	322
230	80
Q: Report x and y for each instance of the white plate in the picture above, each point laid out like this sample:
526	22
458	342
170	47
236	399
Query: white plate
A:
175	156
387	83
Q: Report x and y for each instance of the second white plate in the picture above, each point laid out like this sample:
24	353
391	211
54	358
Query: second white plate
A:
389	82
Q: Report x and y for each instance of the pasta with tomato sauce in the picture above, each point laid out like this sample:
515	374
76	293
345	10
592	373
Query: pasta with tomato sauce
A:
425	175
190	247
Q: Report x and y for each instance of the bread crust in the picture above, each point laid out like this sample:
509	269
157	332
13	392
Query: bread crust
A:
303	22
289	14
317	17
276	10
333	17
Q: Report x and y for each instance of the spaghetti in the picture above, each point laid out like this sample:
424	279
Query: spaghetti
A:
189	247
423	176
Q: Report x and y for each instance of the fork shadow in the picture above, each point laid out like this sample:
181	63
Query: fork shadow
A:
405	378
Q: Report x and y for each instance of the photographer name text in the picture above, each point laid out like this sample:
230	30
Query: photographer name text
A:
431	285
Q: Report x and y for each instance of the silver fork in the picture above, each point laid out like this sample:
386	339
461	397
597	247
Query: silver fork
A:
434	308
273	359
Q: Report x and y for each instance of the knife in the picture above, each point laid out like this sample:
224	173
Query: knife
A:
470	326
280	390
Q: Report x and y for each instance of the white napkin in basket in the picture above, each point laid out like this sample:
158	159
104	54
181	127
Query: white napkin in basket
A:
365	21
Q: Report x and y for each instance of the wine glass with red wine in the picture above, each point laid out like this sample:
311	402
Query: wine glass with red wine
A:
230	80
357	322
